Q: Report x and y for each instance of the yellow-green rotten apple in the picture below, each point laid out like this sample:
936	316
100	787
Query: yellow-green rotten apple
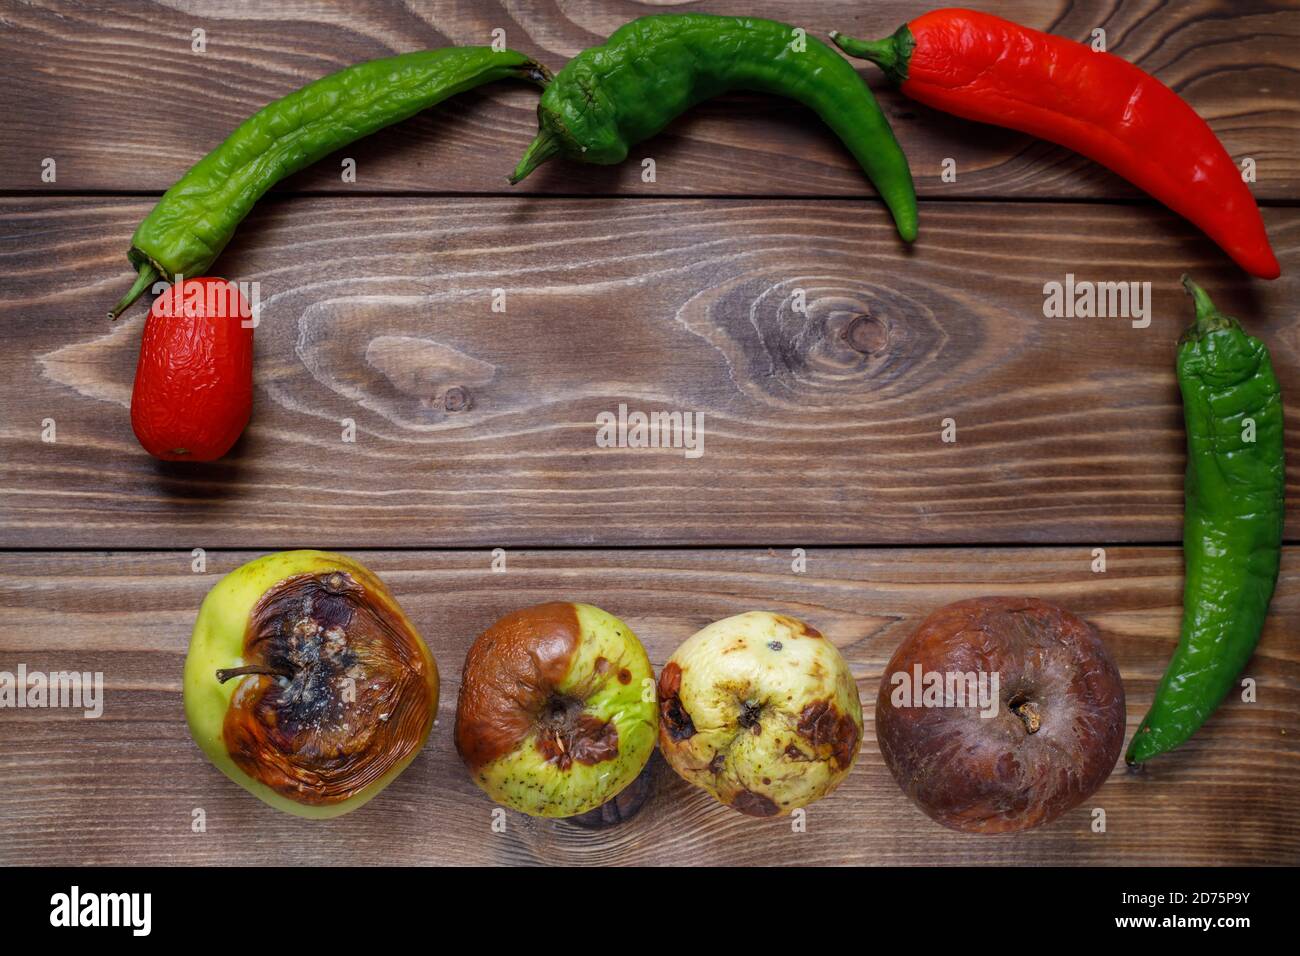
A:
761	711
306	684
557	709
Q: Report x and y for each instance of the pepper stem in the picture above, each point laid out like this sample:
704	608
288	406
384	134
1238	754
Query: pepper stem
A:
891	54
544	147
1208	317
147	277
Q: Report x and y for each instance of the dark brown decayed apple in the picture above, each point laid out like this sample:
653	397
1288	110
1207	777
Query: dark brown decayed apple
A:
1058	729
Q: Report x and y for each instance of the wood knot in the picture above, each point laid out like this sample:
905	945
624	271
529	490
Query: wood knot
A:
866	334
455	399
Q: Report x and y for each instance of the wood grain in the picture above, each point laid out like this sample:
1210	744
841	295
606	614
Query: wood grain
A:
476	428
113	92
121	789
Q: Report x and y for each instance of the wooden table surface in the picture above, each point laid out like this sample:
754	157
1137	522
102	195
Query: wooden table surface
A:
475	429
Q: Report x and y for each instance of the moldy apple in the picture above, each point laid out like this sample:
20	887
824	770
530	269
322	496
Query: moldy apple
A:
556	713
761	711
306	684
1052	739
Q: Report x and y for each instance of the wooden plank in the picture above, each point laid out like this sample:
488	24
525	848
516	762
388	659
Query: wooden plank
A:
121	789
115	95
476	428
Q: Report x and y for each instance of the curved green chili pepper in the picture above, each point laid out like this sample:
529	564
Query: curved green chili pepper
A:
1232	526
195	219
650	70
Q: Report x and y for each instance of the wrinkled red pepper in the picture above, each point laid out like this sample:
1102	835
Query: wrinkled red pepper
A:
984	68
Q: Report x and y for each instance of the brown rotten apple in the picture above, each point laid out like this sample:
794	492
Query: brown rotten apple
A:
761	711
556	712
1046	737
306	684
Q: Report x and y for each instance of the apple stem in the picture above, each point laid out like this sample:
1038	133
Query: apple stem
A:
1028	713
226	673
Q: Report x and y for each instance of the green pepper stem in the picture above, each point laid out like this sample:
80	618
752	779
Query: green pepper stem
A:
147	277
1208	317
890	54
544	147
1204	305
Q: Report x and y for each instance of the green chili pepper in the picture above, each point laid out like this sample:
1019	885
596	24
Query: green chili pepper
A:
1232	525
195	219
650	70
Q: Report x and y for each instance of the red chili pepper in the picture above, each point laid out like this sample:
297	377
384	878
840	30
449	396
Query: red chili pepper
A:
984	68
194	383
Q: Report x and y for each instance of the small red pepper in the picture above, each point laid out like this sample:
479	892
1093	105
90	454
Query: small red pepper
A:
984	68
194	382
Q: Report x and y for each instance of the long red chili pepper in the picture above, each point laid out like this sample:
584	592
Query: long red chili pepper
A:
984	68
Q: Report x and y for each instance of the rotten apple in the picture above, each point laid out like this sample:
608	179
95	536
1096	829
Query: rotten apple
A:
306	684
1000	714
556	713
761	711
